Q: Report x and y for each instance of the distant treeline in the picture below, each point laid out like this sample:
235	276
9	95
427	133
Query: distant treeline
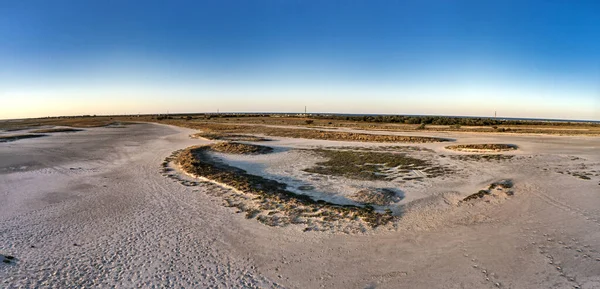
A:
206	116
404	119
439	120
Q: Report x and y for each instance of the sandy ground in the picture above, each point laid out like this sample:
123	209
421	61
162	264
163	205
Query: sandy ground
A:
91	209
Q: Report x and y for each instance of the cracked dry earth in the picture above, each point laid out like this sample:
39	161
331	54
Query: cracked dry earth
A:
92	209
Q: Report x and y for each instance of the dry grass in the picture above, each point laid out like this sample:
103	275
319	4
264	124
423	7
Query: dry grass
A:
229	137
296	122
483	147
80	122
381	148
549	128
212	128
240	148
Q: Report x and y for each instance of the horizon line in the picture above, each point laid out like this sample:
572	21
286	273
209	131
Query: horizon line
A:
314	113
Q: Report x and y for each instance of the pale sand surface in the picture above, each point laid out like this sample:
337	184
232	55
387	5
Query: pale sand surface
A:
91	209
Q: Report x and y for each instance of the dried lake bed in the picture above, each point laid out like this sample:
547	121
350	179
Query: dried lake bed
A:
95	208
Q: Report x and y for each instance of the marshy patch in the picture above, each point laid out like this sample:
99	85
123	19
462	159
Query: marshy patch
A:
53	130
376	196
11	138
483	147
240	148
270	201
369	165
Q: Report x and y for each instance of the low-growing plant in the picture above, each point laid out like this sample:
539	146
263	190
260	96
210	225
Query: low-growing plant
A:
273	195
365	165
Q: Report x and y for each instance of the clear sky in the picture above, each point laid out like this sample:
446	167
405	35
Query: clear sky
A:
520	58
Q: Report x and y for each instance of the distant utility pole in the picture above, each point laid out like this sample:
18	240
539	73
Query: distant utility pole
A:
305	109
495	114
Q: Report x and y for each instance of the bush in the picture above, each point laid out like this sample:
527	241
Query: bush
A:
309	121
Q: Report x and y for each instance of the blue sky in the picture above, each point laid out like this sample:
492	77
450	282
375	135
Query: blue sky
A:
520	58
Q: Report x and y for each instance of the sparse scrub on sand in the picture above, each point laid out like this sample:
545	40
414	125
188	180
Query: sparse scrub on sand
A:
376	196
272	198
229	137
310	133
240	148
483	147
500	188
482	157
10	138
52	130
367	165
381	148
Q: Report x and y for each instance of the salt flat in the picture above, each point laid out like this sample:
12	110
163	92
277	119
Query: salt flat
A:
91	209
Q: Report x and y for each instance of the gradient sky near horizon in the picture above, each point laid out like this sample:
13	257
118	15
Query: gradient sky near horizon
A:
538	59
